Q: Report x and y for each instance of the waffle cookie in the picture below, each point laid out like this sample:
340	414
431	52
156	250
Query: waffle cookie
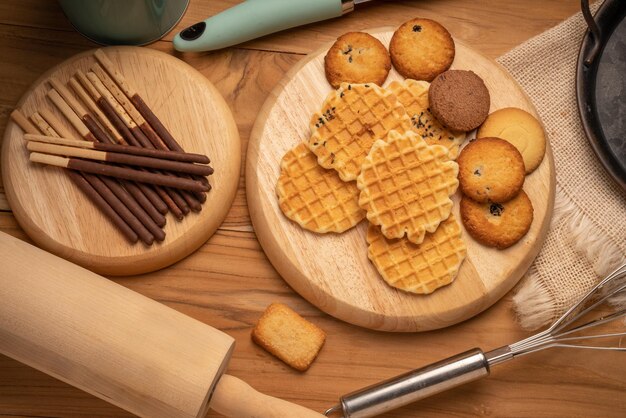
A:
413	95
351	119
314	197
406	185
419	268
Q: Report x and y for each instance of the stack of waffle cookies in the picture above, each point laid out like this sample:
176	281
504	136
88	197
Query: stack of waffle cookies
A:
380	154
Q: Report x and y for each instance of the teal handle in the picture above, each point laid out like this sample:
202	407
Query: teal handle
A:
252	19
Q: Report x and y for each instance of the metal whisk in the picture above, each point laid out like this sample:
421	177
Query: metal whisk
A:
585	325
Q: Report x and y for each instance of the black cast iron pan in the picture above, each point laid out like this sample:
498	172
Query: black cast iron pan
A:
601	85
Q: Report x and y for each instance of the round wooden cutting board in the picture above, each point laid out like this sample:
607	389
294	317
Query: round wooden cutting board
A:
332	271
59	218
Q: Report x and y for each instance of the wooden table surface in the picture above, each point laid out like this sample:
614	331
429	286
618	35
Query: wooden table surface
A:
228	282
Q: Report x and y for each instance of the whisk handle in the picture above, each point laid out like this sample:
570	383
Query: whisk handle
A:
415	385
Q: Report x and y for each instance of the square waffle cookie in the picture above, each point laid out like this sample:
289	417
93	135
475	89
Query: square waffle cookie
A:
406	185
419	268
314	197
351	119
413	95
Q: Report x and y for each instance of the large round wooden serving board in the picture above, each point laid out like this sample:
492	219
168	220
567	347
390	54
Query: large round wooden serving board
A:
60	219
332	271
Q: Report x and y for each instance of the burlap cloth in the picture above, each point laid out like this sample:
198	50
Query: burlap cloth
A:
587	236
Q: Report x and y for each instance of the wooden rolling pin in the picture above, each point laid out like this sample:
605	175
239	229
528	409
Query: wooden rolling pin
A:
117	344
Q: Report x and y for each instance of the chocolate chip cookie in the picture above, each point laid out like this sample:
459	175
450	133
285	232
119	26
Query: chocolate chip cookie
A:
421	49
357	57
497	225
490	169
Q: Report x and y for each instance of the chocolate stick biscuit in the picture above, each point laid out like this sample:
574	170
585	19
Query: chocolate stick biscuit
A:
78	179
149	209
145	129
140	105
141	192
113	157
95	110
123	123
116	203
101	204
134	114
132	205
122	149
143	215
79	110
155	194
118	172
128	114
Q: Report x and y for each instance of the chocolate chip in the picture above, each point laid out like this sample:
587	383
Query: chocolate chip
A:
496	209
477	172
350	58
417	28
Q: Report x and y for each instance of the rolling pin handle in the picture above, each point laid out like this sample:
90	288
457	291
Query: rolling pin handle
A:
235	398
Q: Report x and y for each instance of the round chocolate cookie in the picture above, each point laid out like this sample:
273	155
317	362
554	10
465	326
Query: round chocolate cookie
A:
459	100
357	58
490	169
421	49
497	225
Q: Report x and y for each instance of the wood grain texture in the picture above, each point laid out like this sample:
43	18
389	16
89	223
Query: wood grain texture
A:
332	271
61	220
229	281
105	339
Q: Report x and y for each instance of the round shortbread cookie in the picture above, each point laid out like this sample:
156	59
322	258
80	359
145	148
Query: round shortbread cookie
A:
497	225
459	99
314	197
490	169
521	129
357	57
421	49
419	268
406	185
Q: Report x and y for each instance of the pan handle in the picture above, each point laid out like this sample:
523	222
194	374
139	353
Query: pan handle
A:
594	30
